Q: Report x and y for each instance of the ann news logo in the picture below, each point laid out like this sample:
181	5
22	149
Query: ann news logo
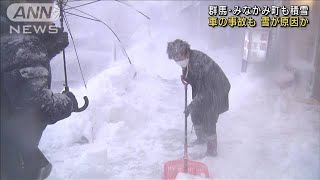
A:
33	18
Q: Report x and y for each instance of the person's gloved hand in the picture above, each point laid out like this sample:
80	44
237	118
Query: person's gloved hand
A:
183	80
73	99
188	110
62	40
55	43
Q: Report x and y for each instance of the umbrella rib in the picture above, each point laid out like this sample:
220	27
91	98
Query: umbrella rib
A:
109	29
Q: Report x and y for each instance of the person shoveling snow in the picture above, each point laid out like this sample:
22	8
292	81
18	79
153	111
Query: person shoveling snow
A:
210	90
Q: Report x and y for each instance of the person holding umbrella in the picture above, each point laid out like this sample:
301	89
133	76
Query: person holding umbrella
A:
28	104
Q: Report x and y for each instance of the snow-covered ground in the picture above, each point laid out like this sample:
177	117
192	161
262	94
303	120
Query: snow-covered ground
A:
135	123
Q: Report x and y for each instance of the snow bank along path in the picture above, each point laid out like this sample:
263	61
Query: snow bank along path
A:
134	124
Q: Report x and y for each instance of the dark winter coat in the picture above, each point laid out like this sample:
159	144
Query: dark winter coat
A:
26	78
210	86
27	103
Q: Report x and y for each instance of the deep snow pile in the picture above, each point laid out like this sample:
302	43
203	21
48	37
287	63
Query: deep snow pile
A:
131	109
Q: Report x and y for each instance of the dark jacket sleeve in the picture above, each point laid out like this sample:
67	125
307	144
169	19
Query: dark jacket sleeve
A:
204	96
27	88
25	72
202	83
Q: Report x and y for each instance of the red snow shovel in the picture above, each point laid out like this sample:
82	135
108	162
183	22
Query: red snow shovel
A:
173	168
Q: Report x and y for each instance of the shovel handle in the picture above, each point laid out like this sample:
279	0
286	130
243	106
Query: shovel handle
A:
185	129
